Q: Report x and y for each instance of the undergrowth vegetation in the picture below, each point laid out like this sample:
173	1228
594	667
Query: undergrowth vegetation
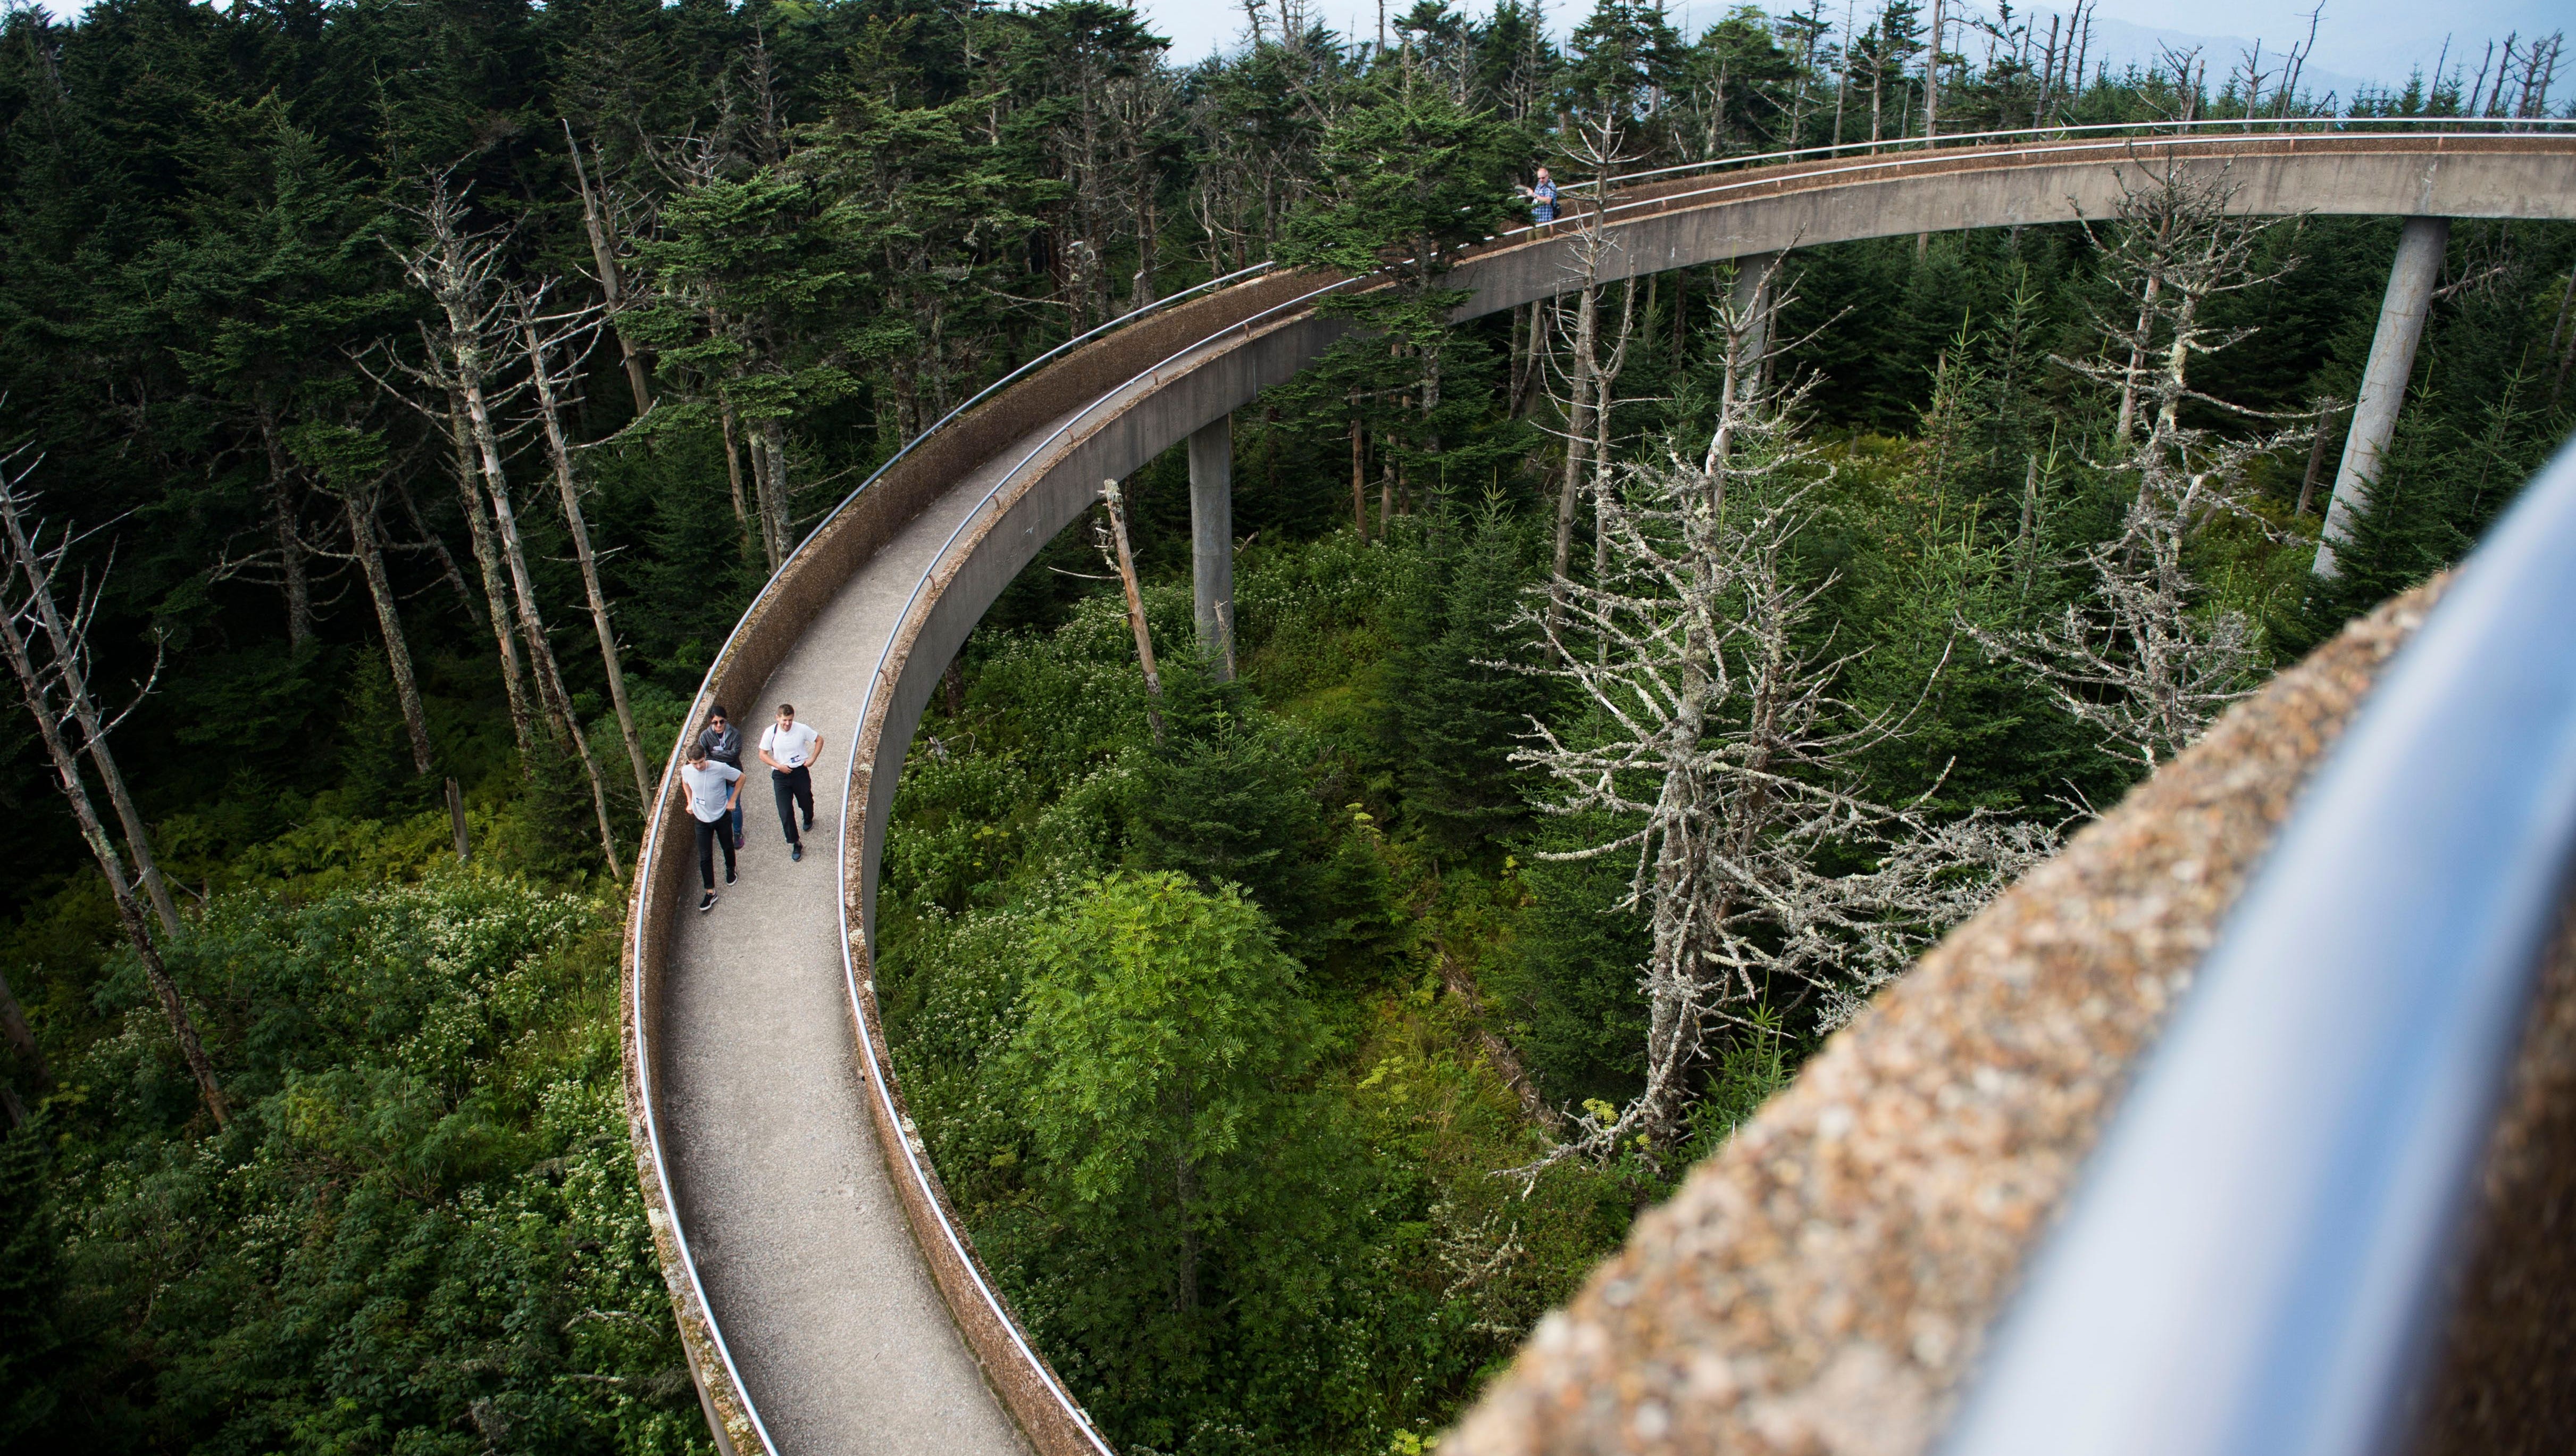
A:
420	1230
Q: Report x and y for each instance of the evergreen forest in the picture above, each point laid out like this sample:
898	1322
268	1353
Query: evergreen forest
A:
401	402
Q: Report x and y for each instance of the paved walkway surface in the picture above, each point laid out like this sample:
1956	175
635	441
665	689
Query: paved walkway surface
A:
808	1263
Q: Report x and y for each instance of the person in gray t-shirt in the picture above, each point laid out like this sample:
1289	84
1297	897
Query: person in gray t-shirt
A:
713	790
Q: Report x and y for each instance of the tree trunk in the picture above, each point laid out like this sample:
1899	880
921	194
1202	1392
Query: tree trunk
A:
487	556
1524	334
1359	473
1135	608
541	367
1185	1197
84	708
371	562
2316	457
773	505
438	548
290	551
67	774
765	490
532	627
733	468
2137	360
1605	380
612	284
13	1023
2029	537
1578	433
456	820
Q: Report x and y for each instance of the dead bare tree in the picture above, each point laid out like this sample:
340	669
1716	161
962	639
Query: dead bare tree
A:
36	684
1114	549
460	270
70	639
2145	660
444	408
556	345
360	485
2171	234
1710	743
612	279
1594	146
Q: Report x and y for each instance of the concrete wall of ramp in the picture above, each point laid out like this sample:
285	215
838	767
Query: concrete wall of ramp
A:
1110	407
1687	221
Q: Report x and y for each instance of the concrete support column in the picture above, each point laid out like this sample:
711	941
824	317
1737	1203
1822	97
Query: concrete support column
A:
1212	542
1751	300
2383	380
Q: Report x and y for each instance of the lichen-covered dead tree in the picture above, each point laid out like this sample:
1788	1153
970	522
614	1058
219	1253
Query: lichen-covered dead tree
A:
2144	659
1708	736
1591	363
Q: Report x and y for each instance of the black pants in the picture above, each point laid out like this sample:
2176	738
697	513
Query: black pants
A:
794	787
710	836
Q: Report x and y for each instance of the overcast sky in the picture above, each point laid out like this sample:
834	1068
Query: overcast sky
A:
2376	40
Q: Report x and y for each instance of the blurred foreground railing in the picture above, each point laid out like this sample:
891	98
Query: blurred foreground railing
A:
2259	1260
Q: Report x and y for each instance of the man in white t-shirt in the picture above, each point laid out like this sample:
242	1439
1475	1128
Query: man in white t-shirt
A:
714	787
788	747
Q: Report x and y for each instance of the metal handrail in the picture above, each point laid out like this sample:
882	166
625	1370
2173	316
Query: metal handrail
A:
2257	1257
659	811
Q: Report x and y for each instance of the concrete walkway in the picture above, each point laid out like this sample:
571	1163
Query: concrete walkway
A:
808	1262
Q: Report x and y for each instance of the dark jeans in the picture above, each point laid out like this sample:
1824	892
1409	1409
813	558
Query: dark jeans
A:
709	836
734	818
794	787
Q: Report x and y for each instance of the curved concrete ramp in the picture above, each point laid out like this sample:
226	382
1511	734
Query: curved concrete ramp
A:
827	1297
799	1233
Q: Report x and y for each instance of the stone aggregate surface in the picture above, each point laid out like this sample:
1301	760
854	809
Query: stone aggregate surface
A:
1822	1285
